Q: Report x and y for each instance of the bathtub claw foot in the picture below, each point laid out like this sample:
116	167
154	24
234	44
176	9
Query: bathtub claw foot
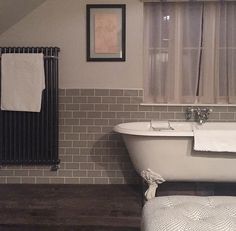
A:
153	180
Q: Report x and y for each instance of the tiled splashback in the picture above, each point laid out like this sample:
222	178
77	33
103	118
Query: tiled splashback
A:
90	152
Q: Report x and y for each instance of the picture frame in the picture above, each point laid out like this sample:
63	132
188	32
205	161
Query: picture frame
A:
106	32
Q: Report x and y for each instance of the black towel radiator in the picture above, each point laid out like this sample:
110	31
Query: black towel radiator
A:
30	138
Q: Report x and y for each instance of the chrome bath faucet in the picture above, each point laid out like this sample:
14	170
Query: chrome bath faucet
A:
200	115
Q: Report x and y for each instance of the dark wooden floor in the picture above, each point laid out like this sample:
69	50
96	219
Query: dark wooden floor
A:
86	207
70	207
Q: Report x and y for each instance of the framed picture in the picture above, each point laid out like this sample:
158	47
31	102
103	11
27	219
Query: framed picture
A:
106	32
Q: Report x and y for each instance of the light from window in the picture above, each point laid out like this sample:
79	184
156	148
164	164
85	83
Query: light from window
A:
166	18
190	52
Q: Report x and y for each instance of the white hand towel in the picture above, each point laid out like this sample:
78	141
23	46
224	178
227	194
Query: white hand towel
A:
215	140
23	81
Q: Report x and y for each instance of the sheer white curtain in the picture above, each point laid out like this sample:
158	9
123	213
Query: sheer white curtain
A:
190	52
218	70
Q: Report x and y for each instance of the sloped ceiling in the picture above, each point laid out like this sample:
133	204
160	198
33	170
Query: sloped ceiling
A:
11	11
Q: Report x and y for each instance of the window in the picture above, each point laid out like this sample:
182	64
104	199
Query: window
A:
190	52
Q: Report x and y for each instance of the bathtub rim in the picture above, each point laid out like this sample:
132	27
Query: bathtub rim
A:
119	128
122	129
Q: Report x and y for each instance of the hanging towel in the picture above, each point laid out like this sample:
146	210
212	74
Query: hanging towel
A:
215	140
23	81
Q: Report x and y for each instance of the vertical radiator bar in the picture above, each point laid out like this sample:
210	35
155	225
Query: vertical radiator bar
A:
30	137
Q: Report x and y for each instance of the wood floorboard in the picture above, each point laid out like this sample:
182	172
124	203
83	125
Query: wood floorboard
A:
70	207
64	228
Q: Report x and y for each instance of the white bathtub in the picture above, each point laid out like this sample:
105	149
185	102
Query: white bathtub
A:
170	153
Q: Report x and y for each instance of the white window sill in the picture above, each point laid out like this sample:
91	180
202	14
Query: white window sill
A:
193	105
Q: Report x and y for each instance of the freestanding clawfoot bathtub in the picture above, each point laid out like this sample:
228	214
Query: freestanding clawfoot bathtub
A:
169	153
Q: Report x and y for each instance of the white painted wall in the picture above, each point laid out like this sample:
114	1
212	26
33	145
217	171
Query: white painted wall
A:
62	23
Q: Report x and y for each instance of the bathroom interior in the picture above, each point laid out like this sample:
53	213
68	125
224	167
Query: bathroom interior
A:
136	133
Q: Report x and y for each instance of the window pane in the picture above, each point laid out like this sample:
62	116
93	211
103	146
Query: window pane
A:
192	23
190	73
228	24
190	51
159	18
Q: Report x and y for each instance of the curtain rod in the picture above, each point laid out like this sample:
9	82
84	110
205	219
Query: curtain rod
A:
45	57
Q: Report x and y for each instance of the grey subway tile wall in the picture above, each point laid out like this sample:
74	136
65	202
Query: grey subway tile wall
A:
90	152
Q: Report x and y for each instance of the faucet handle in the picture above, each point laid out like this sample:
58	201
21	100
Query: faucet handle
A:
189	109
206	109
188	113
